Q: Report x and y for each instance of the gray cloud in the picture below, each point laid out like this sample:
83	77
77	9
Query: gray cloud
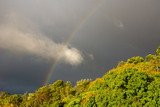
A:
14	37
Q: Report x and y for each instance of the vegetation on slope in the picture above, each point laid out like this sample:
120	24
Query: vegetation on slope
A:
135	82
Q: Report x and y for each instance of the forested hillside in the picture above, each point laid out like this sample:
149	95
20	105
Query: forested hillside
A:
134	82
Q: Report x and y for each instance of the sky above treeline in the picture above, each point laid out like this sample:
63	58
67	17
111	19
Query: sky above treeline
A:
45	40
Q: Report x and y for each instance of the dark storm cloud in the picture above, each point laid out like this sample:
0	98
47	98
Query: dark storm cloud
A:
117	30
137	34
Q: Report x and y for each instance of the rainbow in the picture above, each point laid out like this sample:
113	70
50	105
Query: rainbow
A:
69	39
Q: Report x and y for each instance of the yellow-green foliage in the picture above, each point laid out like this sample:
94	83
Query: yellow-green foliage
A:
135	83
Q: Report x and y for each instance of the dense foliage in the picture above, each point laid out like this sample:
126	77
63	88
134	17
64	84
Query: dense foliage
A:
135	82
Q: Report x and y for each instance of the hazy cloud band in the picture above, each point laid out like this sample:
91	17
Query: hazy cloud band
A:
18	41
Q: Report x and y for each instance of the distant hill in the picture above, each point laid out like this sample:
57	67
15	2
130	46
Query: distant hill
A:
135	83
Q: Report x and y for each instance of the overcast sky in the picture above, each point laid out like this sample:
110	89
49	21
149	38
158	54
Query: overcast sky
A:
81	38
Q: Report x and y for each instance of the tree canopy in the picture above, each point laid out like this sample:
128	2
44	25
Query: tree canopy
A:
135	83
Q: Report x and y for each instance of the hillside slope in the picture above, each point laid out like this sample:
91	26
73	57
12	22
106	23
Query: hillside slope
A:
135	82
